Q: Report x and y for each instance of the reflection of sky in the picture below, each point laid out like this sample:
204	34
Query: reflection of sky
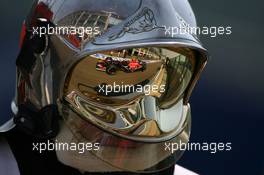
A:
226	104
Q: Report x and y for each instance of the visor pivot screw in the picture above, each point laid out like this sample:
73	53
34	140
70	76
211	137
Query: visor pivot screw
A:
22	120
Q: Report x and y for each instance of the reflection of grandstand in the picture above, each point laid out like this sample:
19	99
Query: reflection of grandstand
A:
148	53
140	53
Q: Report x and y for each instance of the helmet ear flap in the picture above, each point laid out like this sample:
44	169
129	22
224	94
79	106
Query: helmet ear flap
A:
33	44
41	123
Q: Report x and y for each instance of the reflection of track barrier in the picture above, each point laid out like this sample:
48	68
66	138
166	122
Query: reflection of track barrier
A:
159	81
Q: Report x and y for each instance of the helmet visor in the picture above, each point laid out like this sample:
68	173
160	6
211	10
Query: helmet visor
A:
119	77
105	102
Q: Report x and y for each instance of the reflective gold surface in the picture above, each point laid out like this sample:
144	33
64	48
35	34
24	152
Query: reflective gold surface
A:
161	74
166	75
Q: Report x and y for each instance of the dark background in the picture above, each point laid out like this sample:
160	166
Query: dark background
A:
228	100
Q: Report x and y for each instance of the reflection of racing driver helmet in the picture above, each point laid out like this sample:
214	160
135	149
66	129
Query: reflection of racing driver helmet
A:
126	117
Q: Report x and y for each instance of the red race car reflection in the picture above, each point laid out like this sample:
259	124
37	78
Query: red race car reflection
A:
111	66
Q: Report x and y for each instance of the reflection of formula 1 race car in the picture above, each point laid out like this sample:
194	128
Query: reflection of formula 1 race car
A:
111	66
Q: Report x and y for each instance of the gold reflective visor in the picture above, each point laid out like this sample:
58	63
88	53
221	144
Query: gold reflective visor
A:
133	93
120	77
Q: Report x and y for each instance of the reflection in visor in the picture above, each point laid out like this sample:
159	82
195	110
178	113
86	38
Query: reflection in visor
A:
133	93
130	101
119	77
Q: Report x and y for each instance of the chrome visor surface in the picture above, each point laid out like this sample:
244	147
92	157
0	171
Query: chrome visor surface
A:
134	93
119	77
